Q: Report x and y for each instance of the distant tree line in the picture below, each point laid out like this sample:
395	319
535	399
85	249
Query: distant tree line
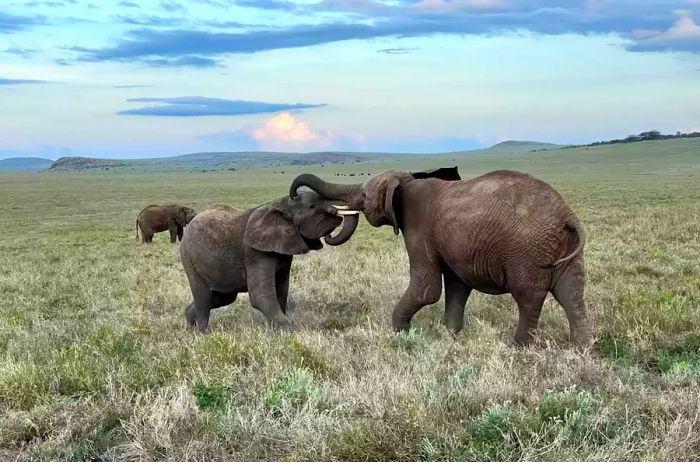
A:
648	136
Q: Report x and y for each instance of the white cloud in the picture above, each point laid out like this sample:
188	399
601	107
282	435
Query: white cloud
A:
684	35
285	132
683	28
285	128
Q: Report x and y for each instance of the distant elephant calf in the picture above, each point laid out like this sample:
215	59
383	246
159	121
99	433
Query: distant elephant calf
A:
157	218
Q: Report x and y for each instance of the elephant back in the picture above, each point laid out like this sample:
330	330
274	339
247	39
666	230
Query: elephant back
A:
224	208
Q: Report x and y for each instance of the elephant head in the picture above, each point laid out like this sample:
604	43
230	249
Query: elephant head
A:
189	214
293	226
376	198
182	215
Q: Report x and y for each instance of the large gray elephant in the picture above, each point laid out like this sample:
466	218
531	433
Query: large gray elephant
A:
157	218
502	232
226	251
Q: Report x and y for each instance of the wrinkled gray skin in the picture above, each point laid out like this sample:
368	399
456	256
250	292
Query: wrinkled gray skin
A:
502	232
226	251
157	218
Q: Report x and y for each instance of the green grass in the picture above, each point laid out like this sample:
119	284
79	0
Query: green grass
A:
96	362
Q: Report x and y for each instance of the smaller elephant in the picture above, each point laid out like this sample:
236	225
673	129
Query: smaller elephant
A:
226	251
157	218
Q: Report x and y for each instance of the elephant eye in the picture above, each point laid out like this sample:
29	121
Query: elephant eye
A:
311	206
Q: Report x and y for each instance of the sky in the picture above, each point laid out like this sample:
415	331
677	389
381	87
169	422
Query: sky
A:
151	78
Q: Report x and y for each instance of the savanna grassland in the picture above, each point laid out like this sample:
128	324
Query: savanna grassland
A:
96	362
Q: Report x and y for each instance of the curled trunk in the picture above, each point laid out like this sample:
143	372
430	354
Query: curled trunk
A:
349	226
344	192
347	193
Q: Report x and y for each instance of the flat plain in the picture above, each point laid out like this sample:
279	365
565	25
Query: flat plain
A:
96	362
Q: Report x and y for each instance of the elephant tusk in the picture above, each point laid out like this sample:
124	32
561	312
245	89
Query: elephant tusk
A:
348	212
341	207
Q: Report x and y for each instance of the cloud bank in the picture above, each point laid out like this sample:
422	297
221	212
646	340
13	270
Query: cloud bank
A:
643	24
196	106
684	35
4	81
13	23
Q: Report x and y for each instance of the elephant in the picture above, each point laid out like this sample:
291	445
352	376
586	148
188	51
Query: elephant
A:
226	251
502	232
156	218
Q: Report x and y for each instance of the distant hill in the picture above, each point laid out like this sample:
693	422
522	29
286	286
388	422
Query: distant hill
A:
258	159
24	164
76	164
219	161
510	147
514	146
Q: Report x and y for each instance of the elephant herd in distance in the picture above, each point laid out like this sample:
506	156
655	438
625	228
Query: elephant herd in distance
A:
501	232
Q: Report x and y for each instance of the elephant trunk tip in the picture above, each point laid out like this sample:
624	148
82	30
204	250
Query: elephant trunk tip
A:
350	222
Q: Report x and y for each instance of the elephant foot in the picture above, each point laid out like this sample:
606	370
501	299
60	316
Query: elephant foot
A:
400	322
523	339
582	338
191	315
455	328
455	333
282	323
584	343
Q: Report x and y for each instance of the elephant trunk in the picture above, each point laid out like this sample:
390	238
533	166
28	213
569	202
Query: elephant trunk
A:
347	193
349	226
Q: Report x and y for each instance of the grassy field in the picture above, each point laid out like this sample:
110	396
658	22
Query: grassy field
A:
96	362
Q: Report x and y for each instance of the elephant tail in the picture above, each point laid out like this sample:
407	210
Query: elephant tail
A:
137	230
573	223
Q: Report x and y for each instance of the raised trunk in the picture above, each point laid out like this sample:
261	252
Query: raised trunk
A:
348	193
349	226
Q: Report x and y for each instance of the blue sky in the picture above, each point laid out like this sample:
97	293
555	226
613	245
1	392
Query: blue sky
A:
131	78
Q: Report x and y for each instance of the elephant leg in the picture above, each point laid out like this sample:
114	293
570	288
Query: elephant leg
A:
270	308
530	301
261	289
180	231
198	310
172	227
146	235
218	299
282	289
191	315
424	288
456	295
568	291
203	306
282	286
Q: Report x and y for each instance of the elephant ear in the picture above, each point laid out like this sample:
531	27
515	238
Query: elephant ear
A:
392	188
442	173
190	213
269	230
180	216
